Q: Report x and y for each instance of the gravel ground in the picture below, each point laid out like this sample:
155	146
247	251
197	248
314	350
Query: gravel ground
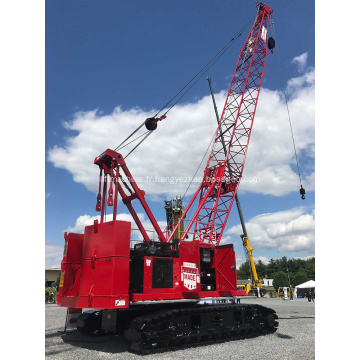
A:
294	339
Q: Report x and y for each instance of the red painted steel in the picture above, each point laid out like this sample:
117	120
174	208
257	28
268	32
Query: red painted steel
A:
97	272
189	254
223	172
107	162
148	289
96	265
225	267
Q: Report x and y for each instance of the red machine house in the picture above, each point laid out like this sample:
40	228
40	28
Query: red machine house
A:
100	270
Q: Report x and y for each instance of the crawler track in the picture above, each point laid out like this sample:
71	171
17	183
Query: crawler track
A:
202	324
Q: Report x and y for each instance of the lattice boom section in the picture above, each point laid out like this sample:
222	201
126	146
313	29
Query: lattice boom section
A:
235	124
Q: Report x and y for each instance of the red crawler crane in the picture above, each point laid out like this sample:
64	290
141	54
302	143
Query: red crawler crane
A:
153	289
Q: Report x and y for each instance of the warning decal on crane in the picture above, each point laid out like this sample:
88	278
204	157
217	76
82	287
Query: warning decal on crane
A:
190	275
264	33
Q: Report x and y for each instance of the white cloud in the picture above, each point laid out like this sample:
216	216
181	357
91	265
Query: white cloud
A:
85	220
239	260
225	239
53	254
300	61
305	257
264	259
176	148
303	82
288	231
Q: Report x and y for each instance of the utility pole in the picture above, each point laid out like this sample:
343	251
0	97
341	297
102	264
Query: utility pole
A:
288	276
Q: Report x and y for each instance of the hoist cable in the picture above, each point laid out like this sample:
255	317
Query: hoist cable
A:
286	101
200	74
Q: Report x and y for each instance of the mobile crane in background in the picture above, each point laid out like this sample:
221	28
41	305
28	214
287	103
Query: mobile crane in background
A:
255	288
152	290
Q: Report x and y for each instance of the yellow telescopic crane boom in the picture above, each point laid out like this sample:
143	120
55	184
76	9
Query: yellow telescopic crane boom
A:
256	281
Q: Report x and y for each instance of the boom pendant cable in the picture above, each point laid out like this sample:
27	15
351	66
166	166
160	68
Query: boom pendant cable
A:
151	123
132	141
205	68
138	144
130	136
302	190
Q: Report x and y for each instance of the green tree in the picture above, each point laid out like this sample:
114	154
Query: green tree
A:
271	268
57	283
260	269
310	269
291	267
283	264
300	278
243	272
280	279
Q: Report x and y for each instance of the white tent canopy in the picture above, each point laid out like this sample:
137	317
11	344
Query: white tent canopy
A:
308	284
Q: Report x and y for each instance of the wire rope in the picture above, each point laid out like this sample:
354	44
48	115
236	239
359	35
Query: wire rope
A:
206	68
212	139
286	101
139	143
192	179
132	141
138	128
198	76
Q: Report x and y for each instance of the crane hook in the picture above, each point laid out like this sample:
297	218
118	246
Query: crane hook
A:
302	192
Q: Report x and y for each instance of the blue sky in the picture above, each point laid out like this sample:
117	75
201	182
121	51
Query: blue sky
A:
110	64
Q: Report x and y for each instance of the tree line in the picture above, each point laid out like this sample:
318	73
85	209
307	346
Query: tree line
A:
281	271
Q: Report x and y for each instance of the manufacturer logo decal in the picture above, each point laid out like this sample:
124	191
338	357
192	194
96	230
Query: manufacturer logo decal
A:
190	275
264	33
119	302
